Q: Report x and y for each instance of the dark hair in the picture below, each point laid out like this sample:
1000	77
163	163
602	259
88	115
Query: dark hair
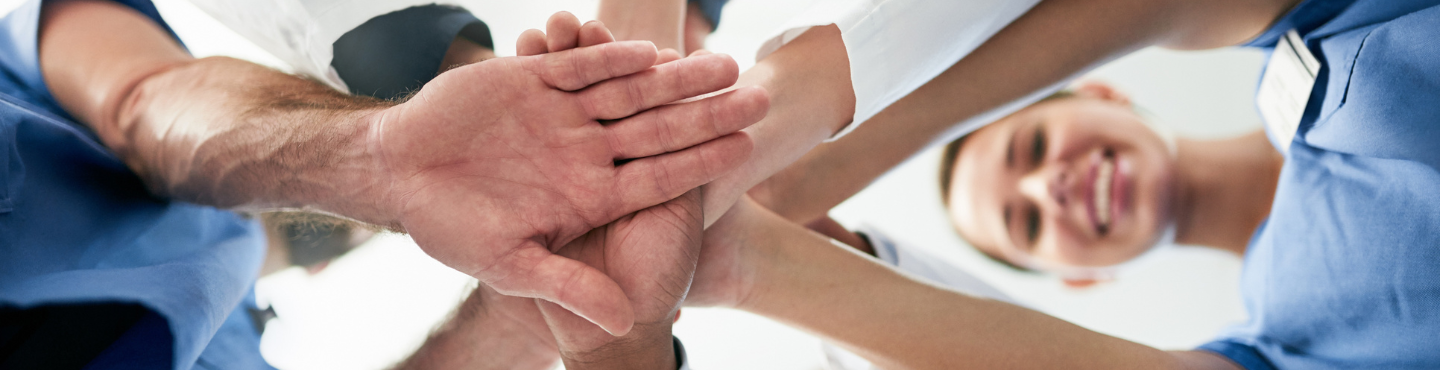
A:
947	170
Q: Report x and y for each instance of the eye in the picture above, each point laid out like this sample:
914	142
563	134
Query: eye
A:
1037	146
1032	224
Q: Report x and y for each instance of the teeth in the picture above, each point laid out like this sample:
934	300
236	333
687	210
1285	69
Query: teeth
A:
1102	192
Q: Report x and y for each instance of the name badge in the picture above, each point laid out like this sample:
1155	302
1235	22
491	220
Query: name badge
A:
1285	88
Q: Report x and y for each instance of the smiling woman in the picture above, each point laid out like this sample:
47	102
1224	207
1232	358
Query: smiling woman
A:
1079	183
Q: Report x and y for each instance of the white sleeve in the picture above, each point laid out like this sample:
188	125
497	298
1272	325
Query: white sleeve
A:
301	33
895	46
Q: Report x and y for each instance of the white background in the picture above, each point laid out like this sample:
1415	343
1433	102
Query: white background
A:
372	307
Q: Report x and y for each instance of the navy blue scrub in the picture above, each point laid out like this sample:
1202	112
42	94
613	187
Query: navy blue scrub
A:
78	230
1345	274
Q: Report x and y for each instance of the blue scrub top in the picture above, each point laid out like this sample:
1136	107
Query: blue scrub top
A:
77	226
1345	274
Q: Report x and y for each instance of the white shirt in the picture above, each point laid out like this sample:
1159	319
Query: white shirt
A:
921	266
302	33
895	46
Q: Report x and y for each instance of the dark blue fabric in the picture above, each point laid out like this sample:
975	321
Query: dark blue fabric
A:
76	225
147	345
1345	274
711	9
1242	354
392	55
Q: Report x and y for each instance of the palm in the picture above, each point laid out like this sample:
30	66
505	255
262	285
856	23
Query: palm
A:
495	164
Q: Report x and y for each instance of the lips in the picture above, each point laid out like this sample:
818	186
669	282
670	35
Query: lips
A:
1105	188
1103	179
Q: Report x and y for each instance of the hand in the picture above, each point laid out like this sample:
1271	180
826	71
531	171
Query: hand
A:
732	256
493	164
651	254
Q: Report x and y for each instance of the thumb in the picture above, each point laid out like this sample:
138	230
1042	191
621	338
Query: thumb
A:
534	272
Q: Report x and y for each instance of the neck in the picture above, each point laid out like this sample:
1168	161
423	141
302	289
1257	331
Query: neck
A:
1224	188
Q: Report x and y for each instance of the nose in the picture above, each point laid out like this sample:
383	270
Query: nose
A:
1046	187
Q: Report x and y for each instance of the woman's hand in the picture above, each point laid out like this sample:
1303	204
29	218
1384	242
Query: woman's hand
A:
731	256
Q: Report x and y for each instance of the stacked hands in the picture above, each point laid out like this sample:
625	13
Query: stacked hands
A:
580	185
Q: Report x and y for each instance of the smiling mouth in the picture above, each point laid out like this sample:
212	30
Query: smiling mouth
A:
1103	180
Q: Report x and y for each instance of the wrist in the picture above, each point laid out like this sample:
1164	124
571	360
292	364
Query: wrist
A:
359	174
758	243
647	346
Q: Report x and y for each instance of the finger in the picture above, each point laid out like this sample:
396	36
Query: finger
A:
575	69
563	30
666	83
532	271
667	55
653	180
700	52
679	126
531	42
595	33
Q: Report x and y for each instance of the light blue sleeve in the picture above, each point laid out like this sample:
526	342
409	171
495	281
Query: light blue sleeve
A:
19	56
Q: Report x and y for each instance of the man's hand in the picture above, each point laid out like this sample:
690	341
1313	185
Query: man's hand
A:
492	165
651	254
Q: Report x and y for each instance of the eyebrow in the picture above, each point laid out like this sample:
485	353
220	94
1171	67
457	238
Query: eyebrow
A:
1005	215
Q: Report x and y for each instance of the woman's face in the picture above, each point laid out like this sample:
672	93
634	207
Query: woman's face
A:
1077	181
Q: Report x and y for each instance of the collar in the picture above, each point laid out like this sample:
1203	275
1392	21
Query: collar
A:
1304	18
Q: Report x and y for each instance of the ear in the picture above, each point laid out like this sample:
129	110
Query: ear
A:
317	268
1102	91
1080	283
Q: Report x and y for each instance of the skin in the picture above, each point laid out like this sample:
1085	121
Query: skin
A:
1034	168
670	24
651	254
1196	189
1054	40
756	261
490	330
488	198
808	80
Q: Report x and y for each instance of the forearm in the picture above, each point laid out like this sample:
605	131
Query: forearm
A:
481	335
810	100
803	280
232	134
1055	40
213	131
659	21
